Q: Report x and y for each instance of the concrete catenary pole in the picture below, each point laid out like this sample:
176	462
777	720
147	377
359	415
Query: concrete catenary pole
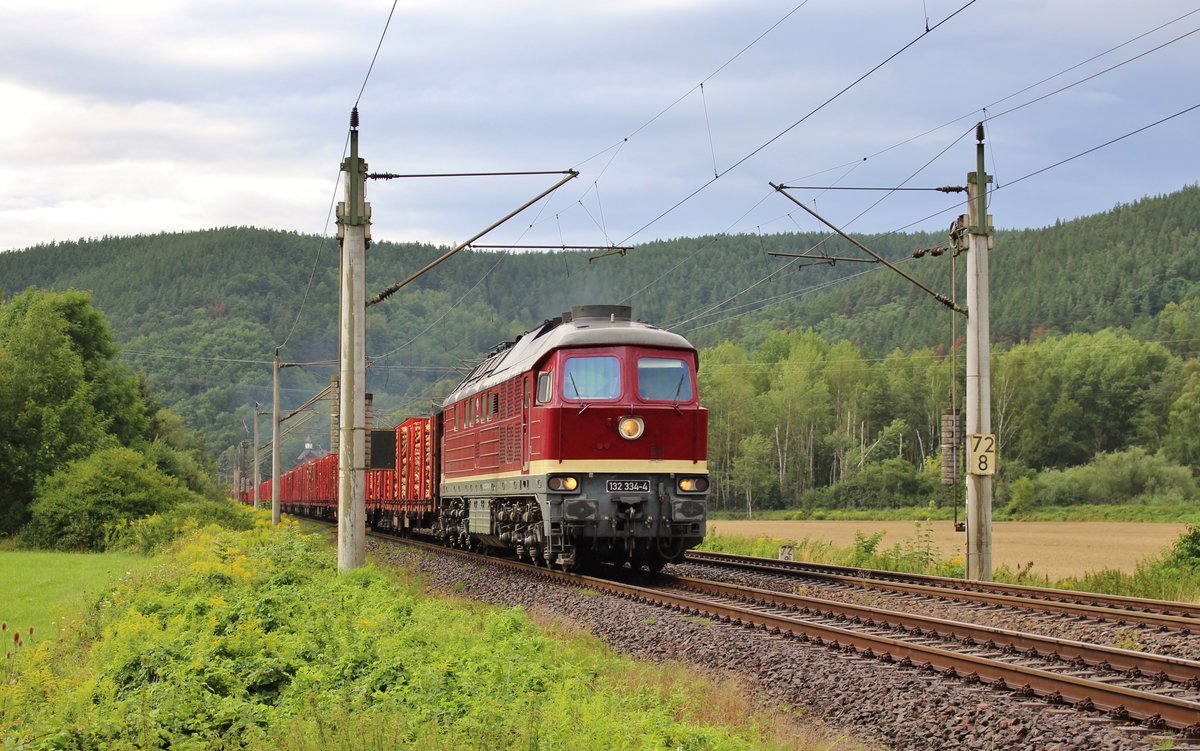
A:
275	418
353	220
979	376
257	477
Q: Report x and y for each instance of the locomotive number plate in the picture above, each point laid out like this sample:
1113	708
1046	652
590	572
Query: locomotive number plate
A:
628	486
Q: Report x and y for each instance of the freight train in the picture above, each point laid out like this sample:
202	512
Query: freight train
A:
581	441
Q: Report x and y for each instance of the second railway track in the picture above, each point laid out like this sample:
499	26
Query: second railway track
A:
1119	610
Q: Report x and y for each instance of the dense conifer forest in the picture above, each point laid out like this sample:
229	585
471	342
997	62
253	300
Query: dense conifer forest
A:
818	377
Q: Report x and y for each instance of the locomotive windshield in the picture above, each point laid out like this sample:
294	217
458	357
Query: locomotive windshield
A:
592	378
663	379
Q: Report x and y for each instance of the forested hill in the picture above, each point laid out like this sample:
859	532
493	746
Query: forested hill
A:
1119	268
190	308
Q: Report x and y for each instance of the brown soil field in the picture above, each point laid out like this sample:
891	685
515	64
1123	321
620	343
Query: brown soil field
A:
1057	549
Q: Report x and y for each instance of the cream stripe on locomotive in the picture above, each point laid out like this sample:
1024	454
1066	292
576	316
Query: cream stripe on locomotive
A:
596	466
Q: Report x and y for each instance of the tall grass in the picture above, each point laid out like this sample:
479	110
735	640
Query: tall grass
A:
916	554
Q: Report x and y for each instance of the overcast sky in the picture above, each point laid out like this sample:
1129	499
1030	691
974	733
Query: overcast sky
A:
126	117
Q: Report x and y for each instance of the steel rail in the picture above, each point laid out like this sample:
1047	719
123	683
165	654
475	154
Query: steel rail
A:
1178	615
1118	701
1117	601
1121	703
1176	669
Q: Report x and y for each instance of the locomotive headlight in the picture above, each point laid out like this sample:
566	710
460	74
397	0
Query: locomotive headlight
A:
693	484
631	428
564	484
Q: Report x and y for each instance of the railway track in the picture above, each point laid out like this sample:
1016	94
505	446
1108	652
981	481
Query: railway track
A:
1169	676
1121	611
1158	691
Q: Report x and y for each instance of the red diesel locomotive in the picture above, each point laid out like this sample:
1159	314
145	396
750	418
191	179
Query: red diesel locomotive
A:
583	440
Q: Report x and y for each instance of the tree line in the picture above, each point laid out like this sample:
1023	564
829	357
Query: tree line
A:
198	314
800	421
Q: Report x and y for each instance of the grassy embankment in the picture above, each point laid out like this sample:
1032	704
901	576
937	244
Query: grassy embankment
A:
1174	574
41	588
251	640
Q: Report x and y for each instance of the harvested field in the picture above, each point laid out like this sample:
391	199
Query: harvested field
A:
1057	549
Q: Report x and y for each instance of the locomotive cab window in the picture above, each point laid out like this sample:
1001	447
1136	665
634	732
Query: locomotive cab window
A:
592	378
545	387
664	379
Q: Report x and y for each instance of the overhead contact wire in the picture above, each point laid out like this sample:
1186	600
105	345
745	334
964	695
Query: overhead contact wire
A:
374	57
1033	86
333	201
710	309
955	207
791	127
707	78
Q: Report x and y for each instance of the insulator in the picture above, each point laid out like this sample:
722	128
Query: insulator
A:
354	118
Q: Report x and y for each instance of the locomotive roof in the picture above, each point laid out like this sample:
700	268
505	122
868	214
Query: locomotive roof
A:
584	326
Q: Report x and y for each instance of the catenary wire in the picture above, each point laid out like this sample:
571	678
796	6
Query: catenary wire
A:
791	127
320	248
333	200
374	57
445	313
959	204
794	261
1039	171
1029	87
689	92
1094	75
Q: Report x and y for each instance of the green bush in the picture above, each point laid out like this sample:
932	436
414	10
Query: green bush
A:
150	534
889	483
1136	475
77	507
1131	476
1185	551
183	466
1059	488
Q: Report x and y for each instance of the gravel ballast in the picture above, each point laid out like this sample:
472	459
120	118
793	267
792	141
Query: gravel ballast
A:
903	708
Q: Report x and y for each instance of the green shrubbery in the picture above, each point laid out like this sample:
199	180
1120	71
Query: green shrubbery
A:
75	507
117	498
252	640
88	458
1131	476
150	534
894	482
